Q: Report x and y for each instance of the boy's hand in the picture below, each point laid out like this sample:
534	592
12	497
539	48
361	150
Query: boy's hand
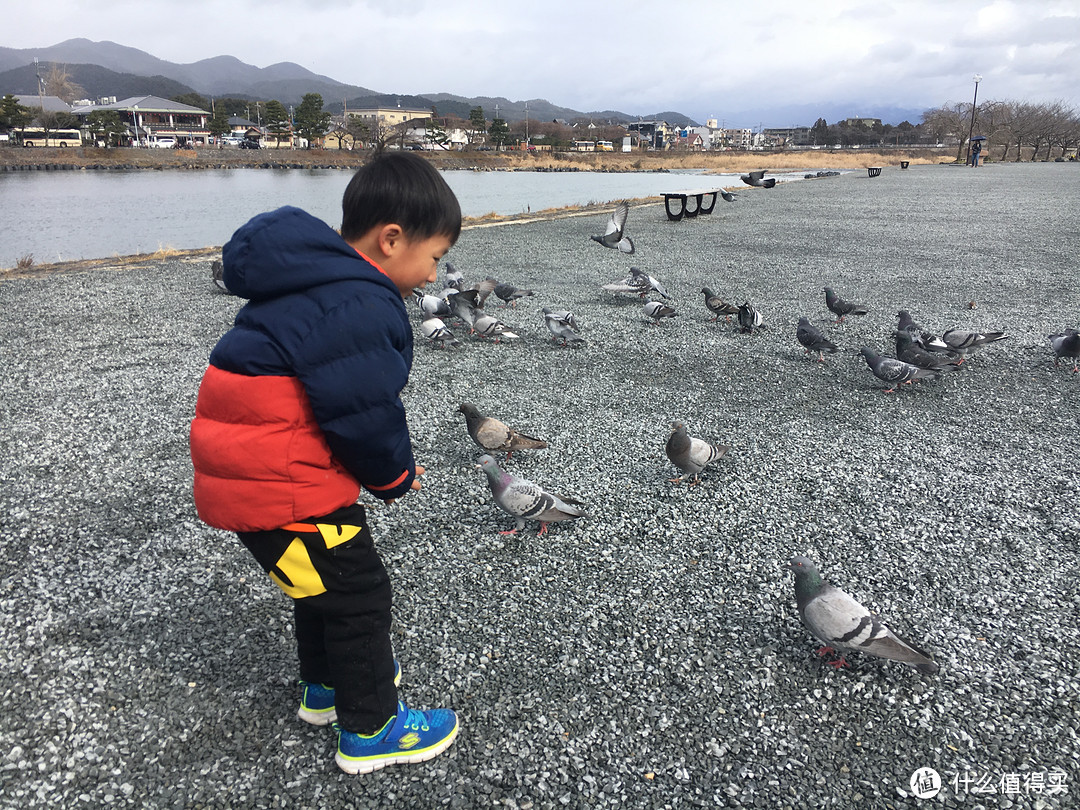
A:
415	485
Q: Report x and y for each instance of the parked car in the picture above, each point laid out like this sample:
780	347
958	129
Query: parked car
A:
249	144
231	141
162	143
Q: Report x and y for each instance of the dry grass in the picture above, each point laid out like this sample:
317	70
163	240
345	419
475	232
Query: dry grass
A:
24	262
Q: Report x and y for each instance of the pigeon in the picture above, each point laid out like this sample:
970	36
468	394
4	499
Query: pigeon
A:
431	305
613	236
839	307
727	196
837	620
895	371
463	305
749	318
812	340
483	289
639	283
908	350
757	178
561	326
217	272
923	338
491	434
564	315
525	500
435	330
690	455
1066	344
489	326
718	306
964	342
454	277
510	294
657	310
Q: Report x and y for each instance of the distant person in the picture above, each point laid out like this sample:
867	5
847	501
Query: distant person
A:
976	150
300	409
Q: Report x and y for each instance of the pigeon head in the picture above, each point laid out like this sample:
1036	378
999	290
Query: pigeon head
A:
868	353
469	410
496	477
808	579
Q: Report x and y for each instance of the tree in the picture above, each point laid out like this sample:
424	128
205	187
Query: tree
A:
819	133
949	121
106	126
436	132
13	115
310	119
192	100
277	120
60	84
358	128
499	132
54	120
218	125
477	125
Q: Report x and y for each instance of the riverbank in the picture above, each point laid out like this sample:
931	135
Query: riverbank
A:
14	159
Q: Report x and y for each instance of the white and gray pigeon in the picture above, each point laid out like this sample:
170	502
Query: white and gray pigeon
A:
718	306
431	305
435	330
909	350
561	326
963	342
893	371
841	307
749	318
690	455
492	434
757	178
657	310
491	327
614	235
929	341
454	277
727	196
839	622
525	500
1066	344
813	340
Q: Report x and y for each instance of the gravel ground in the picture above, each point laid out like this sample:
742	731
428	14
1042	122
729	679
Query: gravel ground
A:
650	656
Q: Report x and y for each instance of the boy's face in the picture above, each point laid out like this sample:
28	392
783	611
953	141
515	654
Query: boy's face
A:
413	263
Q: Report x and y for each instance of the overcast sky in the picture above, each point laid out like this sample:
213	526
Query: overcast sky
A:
705	58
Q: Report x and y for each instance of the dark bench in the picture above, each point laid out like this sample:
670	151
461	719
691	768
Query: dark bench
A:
700	206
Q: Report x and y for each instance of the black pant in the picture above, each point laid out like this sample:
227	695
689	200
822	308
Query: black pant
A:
341	602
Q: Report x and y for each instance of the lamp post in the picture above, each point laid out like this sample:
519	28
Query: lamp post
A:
971	128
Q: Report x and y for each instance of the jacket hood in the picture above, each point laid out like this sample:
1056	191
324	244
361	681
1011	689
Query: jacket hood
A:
287	250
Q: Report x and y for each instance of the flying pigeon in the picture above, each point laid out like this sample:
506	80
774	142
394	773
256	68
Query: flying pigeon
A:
964	342
757	178
895	371
561	325
217	272
813	340
839	622
491	434
839	307
727	196
525	500
657	310
435	330
1066	344
909	350
749	318
923	338
431	305
613	236
690	455
489	326
463	305
718	306
510	294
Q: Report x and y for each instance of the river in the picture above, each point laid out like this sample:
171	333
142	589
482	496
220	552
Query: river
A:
65	216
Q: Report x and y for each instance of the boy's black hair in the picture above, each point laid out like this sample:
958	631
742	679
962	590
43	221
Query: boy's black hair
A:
404	189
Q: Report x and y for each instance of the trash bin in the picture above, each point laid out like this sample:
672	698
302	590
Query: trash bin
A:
873	171
904	164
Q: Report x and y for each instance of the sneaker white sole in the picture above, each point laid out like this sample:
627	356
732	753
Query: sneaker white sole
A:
357	766
329	716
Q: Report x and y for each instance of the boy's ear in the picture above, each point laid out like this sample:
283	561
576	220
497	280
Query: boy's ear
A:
390	237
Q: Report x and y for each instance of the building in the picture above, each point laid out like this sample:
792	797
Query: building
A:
388	116
150	118
653	134
869	123
40	104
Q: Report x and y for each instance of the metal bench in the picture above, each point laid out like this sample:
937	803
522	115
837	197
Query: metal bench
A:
873	171
684	210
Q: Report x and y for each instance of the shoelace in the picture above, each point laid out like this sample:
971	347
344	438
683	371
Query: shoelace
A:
416	720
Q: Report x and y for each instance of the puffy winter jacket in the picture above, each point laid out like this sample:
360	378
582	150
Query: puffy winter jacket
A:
301	406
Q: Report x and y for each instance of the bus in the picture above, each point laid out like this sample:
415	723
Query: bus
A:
37	136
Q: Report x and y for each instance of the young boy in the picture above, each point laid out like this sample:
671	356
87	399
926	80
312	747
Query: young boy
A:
300	408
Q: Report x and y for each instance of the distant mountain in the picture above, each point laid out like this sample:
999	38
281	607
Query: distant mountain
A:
805	115
96	81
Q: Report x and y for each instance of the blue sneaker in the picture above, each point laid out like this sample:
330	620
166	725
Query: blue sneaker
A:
317	701
410	736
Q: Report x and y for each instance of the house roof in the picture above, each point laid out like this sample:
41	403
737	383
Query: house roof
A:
43	103
146	104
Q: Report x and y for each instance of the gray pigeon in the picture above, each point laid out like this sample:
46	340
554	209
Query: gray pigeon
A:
561	326
894	371
718	306
463	305
839	622
510	294
1066	344
490	434
749	318
435	330
657	310
964	342
839	307
454	277
813	340
525	500
690	455
637	283
431	305
491	327
757	178
909	350
217	272
923	338
613	236
727	195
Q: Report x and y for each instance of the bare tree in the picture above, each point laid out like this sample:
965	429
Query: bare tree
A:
58	82
949	121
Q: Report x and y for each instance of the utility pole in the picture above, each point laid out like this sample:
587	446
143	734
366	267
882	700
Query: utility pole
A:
971	129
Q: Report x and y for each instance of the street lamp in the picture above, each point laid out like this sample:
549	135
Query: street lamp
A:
971	128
